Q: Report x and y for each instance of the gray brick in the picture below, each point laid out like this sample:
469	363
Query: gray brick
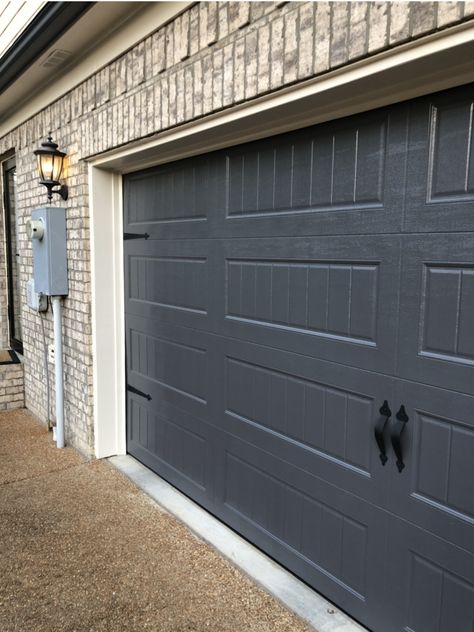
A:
290	55
198	96
194	30
322	36
263	81
188	93
158	52
212	23
276	55
102	83
169	45
239	65
422	17
228	74
172	99
306	30
177	40
448	12
89	95
180	117
207	84
121	75
358	30
66	108
223	17
184	44
468	9
150	109
148	56
399	22
339	52
239	15
217	79
378	26
76	103
202	25
137	69
251	44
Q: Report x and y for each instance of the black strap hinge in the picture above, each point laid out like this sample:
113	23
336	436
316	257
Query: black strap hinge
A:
132	389
136	235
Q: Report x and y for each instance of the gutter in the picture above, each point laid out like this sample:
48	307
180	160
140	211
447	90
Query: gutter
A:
45	28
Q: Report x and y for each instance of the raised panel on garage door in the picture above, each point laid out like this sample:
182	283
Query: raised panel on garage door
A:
177	200
435	488
440	176
317	415
332	298
436	311
338	178
170	281
430	582
171	395
329	537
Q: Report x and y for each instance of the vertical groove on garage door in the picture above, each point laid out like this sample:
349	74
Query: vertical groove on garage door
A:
265	320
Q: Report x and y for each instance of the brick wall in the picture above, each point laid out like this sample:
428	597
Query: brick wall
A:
11	386
212	56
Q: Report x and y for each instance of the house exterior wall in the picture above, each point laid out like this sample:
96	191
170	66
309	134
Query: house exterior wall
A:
11	386
213	56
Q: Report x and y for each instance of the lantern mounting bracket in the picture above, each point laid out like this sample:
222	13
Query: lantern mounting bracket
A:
62	191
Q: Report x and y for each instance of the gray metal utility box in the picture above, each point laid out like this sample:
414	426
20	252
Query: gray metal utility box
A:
49	252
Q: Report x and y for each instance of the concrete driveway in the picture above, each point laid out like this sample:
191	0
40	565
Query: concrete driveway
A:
82	549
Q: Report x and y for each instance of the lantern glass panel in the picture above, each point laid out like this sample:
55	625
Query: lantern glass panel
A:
50	167
57	167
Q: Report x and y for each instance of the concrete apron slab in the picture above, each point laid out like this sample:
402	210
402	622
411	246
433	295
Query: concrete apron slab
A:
280	583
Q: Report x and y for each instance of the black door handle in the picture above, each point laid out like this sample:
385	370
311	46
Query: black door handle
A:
396	434
385	414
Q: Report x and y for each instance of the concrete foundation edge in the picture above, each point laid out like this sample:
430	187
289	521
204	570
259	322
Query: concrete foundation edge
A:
281	584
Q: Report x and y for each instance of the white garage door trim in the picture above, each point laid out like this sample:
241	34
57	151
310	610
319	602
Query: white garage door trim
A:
434	63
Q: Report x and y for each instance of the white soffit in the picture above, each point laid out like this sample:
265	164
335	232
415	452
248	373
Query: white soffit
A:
102	34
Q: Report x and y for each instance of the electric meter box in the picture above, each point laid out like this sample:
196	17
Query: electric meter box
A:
47	229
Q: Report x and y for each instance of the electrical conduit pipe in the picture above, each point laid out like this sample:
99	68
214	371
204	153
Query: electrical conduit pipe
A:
58	370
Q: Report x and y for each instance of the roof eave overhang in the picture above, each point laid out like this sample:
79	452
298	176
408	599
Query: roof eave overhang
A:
47	26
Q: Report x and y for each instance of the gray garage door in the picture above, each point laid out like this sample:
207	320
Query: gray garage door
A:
302	306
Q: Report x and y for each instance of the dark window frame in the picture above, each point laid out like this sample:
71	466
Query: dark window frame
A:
15	343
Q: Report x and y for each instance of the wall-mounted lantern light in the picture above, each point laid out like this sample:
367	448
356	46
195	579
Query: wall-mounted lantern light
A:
50	166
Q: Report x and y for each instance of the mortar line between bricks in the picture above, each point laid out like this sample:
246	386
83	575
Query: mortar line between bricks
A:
43	474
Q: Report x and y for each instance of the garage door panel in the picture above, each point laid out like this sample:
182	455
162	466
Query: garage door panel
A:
318	297
169	281
335	178
175	200
317	415
173	442
171	364
437	590
437	339
327	536
441	163
436	487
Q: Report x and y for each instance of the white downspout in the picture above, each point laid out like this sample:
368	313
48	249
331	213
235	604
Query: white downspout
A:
58	370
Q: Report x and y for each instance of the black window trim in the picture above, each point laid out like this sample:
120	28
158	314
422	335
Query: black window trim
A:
16	344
